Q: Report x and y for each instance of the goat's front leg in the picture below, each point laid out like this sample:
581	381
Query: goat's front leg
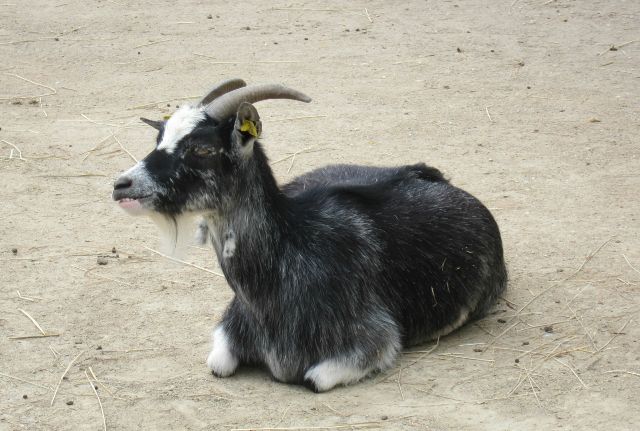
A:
222	361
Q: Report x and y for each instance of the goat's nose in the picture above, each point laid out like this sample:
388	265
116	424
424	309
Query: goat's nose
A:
122	183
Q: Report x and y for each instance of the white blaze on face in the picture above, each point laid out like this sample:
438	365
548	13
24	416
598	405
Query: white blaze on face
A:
181	123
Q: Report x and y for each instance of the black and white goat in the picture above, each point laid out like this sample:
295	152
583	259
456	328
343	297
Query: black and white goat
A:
334	273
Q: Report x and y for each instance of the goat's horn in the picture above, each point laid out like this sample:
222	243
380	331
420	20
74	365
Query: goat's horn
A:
226	105
221	88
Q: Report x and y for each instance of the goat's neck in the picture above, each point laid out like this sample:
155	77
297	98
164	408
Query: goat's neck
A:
247	232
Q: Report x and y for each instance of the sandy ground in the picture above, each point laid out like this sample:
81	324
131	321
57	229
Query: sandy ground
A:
531	105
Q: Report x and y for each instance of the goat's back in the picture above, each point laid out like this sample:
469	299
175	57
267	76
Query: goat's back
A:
430	252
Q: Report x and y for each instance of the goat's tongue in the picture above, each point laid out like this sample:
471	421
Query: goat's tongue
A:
129	204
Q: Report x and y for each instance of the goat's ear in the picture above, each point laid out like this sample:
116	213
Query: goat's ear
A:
247	127
158	125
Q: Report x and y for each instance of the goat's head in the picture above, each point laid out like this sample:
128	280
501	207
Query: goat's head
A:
200	151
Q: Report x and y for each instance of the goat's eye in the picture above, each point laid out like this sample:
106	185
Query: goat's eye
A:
203	151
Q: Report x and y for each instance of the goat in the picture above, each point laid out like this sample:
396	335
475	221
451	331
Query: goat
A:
333	273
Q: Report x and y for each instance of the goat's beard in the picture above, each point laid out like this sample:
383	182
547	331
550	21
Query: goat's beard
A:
177	232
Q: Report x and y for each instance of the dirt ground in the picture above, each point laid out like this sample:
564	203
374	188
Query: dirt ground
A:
531	105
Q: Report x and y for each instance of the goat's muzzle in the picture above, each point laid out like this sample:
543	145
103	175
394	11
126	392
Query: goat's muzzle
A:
129	197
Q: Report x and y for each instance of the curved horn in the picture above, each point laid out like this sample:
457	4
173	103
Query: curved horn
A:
221	88
226	105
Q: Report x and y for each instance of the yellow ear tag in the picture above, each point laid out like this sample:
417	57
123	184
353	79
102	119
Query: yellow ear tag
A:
166	117
249	127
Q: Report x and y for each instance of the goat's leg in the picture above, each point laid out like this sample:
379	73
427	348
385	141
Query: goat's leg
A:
234	341
222	361
348	369
332	372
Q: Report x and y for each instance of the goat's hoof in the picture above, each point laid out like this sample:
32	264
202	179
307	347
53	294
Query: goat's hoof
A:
218	375
311	385
221	369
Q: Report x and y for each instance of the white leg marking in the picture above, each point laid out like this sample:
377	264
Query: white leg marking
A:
330	373
221	361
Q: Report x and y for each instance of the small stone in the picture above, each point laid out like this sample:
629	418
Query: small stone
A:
25	396
525	343
102	260
70	402
548	329
613	48
56	39
517	361
14	250
99	348
446	87
477	350
458	49
384	418
113	250
594	120
502	321
209	16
